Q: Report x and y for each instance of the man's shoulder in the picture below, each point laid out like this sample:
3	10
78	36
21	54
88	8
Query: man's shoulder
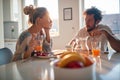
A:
82	29
103	26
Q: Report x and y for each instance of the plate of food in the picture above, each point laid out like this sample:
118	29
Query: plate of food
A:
45	55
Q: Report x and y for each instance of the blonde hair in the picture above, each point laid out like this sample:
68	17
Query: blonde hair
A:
34	13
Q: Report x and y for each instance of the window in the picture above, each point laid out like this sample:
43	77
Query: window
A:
14	10
15	7
52	6
27	3
107	6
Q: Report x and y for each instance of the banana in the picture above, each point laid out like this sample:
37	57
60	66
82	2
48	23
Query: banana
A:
70	57
67	52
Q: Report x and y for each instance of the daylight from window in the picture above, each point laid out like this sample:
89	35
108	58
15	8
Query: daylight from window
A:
110	10
107	6
52	6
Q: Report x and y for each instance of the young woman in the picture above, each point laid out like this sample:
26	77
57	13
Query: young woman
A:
40	24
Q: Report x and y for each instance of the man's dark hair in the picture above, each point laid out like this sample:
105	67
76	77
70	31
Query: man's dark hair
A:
95	11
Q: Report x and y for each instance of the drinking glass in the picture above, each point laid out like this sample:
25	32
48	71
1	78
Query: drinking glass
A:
39	39
83	45
38	42
96	48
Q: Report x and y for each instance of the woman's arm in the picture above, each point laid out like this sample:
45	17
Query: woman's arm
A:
47	43
21	46
17	55
47	32
20	50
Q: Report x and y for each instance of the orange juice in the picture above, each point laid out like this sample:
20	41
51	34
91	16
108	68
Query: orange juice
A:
38	48
96	52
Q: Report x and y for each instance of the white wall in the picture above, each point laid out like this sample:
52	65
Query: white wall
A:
67	28
6	10
1	25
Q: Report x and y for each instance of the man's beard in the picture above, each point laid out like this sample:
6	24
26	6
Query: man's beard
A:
90	29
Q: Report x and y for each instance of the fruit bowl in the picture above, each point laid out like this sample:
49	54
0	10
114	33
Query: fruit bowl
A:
85	73
73	71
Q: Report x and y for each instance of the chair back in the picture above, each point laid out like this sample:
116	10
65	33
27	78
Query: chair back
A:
5	56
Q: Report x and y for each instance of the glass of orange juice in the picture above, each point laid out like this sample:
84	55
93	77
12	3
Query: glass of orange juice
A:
96	48
38	42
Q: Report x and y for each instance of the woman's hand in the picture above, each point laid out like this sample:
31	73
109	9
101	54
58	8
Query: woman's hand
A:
47	29
47	32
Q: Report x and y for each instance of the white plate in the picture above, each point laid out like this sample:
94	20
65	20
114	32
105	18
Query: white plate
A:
46	57
58	51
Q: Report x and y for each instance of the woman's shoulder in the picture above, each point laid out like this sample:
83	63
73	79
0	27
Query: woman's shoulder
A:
24	35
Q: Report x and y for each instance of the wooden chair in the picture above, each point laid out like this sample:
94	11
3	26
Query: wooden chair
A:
5	56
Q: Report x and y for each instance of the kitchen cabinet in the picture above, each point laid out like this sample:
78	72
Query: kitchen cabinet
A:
11	30
11	45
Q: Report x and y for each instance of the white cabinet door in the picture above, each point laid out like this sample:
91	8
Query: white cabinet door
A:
11	46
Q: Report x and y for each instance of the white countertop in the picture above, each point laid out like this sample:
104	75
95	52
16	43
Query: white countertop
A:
40	69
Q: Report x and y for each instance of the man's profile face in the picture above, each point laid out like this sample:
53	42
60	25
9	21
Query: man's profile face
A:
89	22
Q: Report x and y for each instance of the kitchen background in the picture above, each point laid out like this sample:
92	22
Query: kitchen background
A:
13	21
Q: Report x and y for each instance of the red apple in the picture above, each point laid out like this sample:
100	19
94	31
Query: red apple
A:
75	64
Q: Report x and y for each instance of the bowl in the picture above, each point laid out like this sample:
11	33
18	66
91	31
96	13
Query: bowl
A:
85	73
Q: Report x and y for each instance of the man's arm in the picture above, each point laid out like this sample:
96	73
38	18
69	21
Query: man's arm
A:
114	42
72	43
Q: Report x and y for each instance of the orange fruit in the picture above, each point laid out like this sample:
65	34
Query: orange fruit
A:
69	58
88	61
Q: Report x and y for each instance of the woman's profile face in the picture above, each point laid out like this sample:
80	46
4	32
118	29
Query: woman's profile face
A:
46	21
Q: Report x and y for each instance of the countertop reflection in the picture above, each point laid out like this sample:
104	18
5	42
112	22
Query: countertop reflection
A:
40	69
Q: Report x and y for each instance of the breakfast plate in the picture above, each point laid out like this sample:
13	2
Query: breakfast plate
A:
47	57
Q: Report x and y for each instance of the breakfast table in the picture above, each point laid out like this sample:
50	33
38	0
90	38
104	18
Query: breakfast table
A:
35	68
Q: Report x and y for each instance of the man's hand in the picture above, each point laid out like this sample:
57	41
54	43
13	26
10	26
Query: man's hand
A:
96	32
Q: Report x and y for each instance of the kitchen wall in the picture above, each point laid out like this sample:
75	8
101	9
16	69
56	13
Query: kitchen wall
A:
67	28
1	25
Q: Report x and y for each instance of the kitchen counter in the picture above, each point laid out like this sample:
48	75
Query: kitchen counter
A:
40	69
10	40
